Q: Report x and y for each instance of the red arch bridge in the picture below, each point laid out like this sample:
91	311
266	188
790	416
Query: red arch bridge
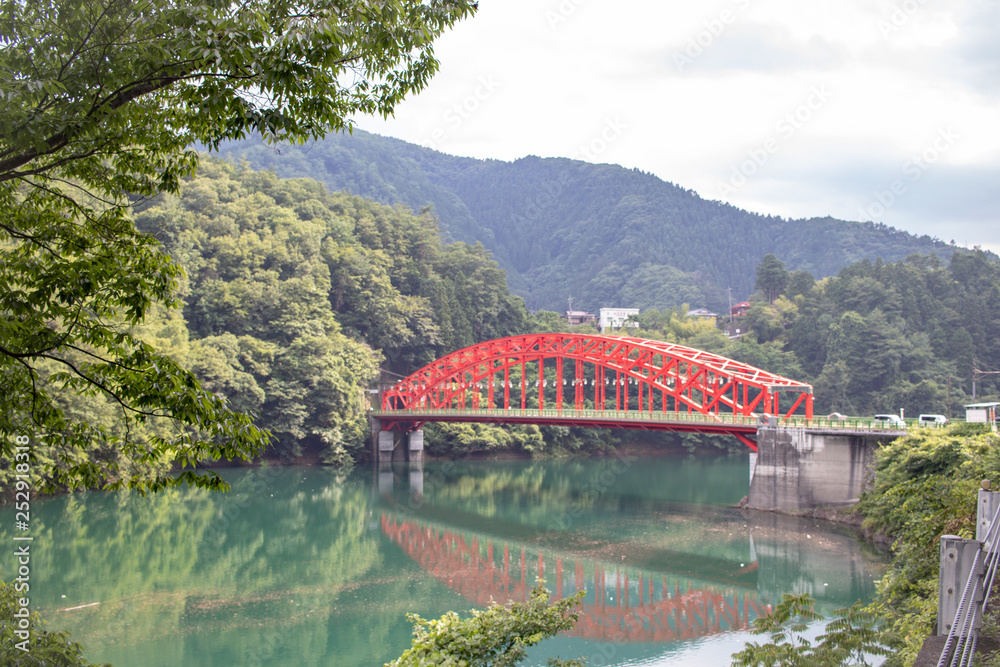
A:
595	380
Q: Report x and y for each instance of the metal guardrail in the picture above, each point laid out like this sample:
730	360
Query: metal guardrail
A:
722	418
622	415
975	562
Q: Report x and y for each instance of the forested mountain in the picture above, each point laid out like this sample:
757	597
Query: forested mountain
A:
295	296
883	336
605	235
877	337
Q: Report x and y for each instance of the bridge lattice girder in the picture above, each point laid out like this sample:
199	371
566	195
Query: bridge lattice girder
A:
661	376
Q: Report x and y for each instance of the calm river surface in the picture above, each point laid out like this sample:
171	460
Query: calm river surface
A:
302	566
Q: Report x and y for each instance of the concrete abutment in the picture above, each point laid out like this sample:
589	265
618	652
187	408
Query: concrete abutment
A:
800	469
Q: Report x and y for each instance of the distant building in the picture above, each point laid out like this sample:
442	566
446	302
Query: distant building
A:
982	413
702	312
579	317
615	318
734	329
740	309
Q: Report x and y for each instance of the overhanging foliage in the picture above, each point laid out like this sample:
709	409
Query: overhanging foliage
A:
99	102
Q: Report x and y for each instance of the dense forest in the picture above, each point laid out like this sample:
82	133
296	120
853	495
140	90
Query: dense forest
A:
605	235
295	296
881	336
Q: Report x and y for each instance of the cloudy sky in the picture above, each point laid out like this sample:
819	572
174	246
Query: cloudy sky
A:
885	110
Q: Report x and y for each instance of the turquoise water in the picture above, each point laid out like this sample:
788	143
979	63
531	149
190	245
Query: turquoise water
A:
303	566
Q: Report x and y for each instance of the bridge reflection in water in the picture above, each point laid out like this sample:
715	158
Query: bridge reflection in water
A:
622	604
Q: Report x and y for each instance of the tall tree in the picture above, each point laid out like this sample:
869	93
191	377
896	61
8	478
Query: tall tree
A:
772	278
100	102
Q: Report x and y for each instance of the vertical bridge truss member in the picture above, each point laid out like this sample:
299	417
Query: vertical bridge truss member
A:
610	375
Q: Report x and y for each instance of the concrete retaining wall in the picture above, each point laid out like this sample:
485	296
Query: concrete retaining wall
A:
797	469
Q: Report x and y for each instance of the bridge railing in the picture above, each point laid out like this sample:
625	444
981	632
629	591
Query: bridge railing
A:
571	413
968	570
722	418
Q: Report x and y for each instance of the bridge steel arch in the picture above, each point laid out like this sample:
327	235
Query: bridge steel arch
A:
614	374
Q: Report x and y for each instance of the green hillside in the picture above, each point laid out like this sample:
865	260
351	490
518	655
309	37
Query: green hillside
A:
879	336
294	297
603	234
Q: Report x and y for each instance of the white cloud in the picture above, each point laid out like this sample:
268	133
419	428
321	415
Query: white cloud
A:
561	70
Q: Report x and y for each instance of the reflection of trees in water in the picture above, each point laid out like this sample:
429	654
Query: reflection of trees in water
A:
622	604
162	570
301	567
802	555
533	493
575	505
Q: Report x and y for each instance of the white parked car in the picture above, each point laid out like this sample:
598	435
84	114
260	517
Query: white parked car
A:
932	420
889	420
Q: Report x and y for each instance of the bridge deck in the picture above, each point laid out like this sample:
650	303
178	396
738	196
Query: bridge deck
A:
722	423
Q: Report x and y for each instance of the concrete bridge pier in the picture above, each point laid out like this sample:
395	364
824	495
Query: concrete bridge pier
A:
415	450
384	444
800	469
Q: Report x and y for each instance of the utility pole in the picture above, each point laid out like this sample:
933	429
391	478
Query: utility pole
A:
978	373
730	289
